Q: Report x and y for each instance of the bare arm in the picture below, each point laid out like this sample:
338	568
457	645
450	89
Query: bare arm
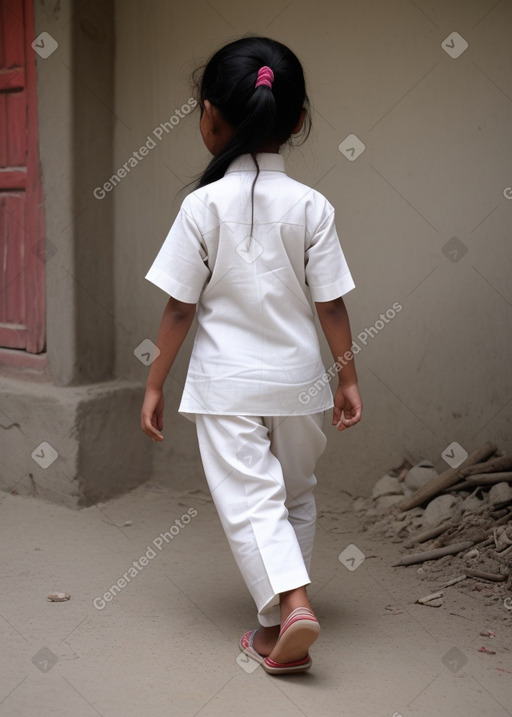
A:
335	324
174	326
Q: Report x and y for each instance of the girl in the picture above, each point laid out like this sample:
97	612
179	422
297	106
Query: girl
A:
251	250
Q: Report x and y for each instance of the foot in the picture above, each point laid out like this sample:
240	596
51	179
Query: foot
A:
298	632
265	640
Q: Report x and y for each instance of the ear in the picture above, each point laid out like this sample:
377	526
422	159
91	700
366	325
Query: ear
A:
300	123
208	109
214	118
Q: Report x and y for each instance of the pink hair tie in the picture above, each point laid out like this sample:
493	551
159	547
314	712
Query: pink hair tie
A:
265	77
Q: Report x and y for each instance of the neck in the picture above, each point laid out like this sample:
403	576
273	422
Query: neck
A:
269	148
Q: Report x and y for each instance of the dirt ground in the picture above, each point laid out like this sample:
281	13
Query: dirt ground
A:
166	641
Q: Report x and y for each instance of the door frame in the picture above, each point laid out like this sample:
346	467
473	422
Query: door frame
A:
34	260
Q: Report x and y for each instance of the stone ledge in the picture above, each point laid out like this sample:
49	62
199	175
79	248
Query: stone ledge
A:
93	448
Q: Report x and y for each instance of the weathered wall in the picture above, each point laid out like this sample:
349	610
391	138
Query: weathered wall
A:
76	117
70	445
436	166
69	434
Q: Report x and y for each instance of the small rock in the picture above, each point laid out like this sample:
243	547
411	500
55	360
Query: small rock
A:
387	485
127	523
500	493
386	501
420	475
486	633
442	508
58	597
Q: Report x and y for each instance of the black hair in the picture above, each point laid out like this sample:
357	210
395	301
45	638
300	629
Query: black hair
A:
260	115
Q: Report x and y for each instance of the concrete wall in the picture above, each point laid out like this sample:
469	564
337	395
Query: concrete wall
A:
76	118
423	213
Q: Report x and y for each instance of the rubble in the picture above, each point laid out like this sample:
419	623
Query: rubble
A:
454	527
442	508
387	485
500	493
419	475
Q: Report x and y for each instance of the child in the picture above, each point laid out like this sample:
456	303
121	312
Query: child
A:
251	249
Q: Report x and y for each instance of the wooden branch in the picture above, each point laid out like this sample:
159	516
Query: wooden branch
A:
494	577
434	554
489	478
403	473
454	581
480	479
446	479
495	465
428	534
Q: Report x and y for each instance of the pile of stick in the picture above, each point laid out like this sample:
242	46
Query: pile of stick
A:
478	469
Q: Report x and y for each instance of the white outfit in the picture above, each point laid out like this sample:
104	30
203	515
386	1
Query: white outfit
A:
260	472
255	354
256	349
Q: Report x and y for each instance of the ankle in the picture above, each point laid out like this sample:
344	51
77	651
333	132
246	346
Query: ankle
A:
269	633
291	600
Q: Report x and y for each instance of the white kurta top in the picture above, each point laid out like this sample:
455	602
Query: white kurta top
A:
256	350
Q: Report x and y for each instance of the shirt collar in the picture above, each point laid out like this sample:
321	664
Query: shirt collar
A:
267	161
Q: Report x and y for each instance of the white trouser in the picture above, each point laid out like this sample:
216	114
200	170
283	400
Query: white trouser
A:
260	472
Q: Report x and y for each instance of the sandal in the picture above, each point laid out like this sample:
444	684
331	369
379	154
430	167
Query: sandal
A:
298	633
282	668
246	645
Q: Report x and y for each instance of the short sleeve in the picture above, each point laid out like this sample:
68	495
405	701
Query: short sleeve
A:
327	272
180	268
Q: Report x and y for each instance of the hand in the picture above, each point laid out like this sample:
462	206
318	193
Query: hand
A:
152	414
347	406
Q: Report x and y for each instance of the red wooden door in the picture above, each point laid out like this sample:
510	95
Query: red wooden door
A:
22	322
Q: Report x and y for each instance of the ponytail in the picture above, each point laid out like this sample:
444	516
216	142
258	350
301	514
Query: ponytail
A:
260	111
